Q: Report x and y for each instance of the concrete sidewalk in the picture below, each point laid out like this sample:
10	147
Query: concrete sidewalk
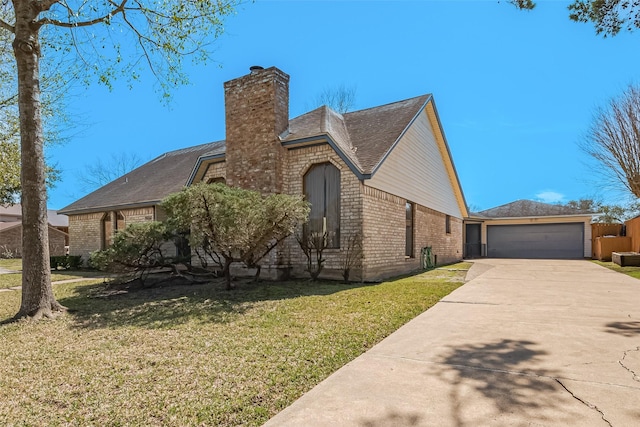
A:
526	342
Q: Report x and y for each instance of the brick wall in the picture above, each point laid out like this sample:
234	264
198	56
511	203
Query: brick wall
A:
85	233
11	242
384	217
430	231
215	170
300	160
256	113
132	216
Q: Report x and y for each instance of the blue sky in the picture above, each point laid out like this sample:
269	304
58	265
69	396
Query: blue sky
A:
515	91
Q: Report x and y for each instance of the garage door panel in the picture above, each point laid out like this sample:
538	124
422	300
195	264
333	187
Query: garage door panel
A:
559	241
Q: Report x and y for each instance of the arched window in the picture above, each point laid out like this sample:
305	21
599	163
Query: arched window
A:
322	190
217	180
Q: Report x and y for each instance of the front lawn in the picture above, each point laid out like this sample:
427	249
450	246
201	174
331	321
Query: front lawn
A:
11	280
14	264
195	354
629	271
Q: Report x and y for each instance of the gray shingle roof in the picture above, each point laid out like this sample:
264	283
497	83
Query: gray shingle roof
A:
363	137
53	217
147	184
529	208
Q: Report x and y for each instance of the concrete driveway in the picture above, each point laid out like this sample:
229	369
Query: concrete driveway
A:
524	343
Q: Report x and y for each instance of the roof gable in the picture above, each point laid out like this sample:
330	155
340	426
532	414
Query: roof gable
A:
362	137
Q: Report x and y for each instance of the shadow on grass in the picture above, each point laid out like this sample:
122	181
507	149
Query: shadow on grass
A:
176	302
627	329
507	374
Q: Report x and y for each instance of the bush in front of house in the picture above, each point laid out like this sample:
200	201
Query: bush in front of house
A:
67	262
136	250
234	224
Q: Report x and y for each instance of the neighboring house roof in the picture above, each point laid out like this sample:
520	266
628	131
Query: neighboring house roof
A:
8	225
57	220
529	208
53	217
11	210
147	184
4	226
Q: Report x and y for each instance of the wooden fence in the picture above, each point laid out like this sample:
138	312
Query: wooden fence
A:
602	247
633	231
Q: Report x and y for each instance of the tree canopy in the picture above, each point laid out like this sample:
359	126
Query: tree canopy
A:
106	39
607	213
608	17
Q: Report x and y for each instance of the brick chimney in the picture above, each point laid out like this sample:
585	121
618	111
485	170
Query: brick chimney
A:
257	112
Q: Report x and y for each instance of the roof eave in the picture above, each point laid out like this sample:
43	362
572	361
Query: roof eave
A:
202	159
539	216
97	209
326	138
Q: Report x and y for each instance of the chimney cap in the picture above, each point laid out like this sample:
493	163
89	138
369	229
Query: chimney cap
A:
255	68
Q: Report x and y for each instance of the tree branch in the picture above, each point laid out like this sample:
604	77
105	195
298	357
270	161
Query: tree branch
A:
119	8
46	4
6	26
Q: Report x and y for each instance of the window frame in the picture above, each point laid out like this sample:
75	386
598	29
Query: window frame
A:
333	240
410	235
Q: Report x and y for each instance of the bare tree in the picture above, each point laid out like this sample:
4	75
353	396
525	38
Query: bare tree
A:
103	171
613	140
341	98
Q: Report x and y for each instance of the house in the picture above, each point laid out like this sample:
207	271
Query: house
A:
11	231
529	229
383	175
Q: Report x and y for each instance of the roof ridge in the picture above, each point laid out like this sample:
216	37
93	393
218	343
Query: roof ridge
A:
389	103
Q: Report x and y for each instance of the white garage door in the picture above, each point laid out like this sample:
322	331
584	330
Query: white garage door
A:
548	241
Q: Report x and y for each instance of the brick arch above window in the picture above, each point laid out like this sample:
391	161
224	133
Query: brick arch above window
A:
217	180
311	163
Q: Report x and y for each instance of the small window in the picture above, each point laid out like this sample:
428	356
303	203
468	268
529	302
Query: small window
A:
408	250
217	180
447	224
322	191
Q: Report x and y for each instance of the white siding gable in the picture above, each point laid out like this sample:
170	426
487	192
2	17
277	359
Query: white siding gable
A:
415	170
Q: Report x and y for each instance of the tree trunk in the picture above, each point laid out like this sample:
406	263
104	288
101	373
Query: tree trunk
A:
227	273
37	294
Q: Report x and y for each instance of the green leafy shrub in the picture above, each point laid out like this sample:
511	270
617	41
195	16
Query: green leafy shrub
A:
67	262
136	250
232	224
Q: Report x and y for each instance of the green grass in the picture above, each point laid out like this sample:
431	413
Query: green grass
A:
195	354
15	279
11	263
629	271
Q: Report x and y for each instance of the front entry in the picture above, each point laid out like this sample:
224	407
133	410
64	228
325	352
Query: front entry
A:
473	241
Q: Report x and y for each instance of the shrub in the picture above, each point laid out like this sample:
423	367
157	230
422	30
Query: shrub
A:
68	262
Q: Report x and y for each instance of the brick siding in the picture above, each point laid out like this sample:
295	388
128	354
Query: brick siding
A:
85	233
385	235
215	170
11	242
256	112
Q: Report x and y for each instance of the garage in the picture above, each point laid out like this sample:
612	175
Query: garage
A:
546	241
